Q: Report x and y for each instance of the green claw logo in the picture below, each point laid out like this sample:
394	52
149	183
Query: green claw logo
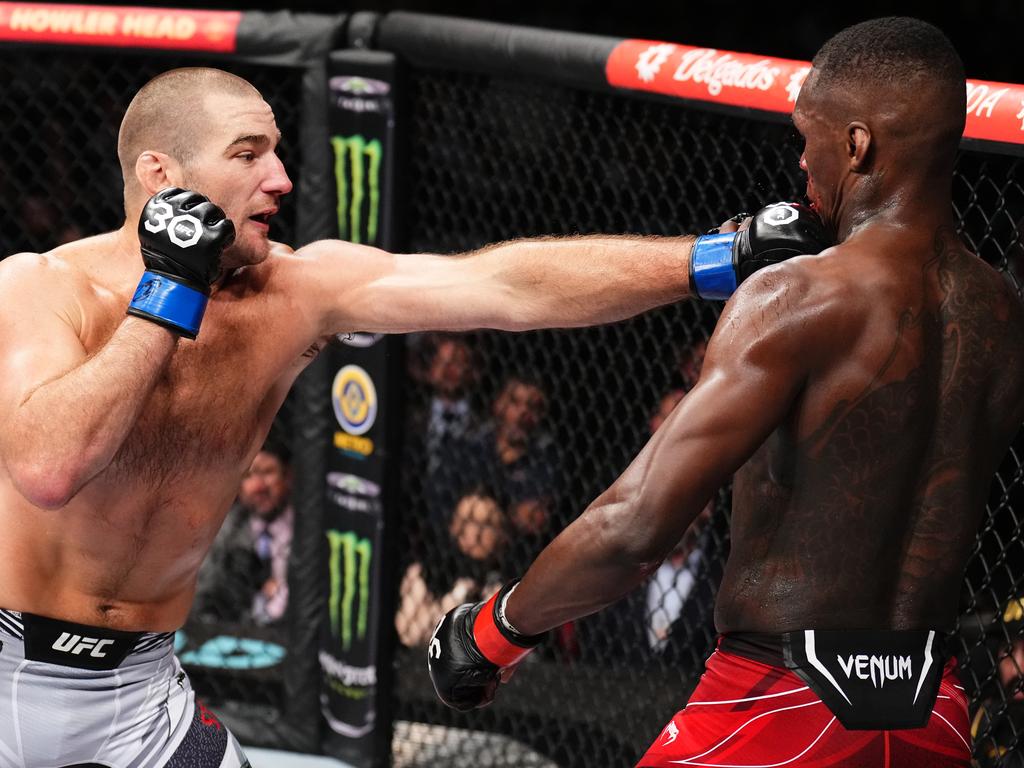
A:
357	164
349	601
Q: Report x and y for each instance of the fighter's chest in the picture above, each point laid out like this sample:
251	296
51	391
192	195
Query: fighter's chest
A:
209	403
203	412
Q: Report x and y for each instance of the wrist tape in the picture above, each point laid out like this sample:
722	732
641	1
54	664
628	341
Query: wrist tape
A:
712	272
499	642
169	303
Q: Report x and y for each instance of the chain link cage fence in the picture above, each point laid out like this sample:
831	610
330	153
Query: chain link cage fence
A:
59	181
511	436
539	423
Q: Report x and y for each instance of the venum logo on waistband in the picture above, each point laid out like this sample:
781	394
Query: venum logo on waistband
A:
877	669
76	644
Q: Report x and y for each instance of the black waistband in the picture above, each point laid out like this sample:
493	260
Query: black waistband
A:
769	648
56	641
758	646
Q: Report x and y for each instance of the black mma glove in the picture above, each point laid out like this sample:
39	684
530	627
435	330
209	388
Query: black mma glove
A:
720	262
470	647
182	235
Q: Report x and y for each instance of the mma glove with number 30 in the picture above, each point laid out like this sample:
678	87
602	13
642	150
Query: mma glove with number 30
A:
182	235
470	647
719	262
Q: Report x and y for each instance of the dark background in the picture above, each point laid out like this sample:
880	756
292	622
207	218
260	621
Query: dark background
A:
986	33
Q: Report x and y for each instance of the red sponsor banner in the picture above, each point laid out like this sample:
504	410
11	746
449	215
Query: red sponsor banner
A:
995	111
119	26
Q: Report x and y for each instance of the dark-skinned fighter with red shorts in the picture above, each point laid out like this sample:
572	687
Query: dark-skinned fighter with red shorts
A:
863	398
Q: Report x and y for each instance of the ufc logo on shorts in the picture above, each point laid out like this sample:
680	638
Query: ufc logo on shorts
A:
75	644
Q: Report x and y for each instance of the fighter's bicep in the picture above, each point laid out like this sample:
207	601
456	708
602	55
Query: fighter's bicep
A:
752	375
39	346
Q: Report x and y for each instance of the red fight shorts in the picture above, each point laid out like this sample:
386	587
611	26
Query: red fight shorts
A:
747	714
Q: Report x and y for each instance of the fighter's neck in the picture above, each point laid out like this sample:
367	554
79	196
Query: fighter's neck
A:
917	205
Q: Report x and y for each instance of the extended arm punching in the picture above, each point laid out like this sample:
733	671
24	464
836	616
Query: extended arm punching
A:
755	367
546	282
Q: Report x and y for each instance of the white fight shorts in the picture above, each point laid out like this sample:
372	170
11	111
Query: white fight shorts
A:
74	696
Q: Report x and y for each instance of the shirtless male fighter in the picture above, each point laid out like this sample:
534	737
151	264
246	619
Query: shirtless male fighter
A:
863	398
122	444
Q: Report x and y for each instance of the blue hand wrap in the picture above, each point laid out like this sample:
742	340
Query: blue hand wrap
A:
169	303
712	274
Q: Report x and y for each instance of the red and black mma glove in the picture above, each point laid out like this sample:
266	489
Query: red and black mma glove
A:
470	647
721	261
182	235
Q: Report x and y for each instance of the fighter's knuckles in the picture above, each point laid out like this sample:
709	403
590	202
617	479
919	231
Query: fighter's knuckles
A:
209	213
166	194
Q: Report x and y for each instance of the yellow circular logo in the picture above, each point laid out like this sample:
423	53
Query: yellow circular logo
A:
354	399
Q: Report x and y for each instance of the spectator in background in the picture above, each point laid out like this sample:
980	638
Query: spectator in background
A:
449	414
512	461
245	576
439	423
465	570
998	725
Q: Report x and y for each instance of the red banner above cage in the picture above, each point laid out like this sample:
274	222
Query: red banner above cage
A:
179	30
995	111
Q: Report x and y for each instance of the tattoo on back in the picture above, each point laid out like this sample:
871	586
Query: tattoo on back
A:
900	471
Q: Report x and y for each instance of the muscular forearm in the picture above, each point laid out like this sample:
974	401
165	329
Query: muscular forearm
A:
591	564
578	281
68	429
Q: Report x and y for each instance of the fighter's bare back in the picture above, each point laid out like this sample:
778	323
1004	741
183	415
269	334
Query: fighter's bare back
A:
124	552
880	470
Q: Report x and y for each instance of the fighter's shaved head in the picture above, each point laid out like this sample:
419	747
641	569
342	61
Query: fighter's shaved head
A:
168	114
907	68
894	49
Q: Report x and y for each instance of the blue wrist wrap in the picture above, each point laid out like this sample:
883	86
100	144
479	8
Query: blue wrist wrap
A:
712	274
170	303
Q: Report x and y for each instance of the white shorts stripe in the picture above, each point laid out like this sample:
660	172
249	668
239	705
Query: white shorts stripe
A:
954	730
762	765
688	760
750	698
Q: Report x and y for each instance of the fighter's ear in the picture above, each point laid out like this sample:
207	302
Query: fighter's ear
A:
858	146
157	170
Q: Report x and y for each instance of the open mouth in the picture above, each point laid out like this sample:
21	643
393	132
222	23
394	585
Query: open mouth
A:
262	217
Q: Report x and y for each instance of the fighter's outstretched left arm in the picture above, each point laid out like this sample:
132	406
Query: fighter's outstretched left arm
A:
544	282
522	284
755	366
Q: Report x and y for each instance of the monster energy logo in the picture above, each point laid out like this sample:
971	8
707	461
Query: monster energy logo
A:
357	174
350	572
